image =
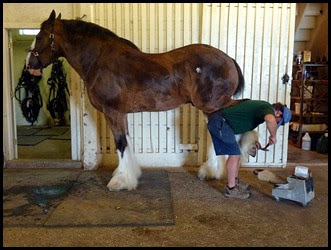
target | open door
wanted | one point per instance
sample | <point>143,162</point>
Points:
<point>47,138</point>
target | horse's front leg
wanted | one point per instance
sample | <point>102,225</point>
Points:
<point>127,173</point>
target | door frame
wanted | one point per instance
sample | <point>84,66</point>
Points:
<point>9,119</point>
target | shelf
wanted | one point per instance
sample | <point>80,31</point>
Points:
<point>310,115</point>
<point>311,65</point>
<point>310,82</point>
<point>310,99</point>
<point>308,131</point>
<point>319,81</point>
<point>314,94</point>
<point>315,64</point>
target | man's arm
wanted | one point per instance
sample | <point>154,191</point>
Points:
<point>272,128</point>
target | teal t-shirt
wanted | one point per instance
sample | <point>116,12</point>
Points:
<point>246,115</point>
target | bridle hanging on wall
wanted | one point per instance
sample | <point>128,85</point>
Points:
<point>32,101</point>
<point>57,102</point>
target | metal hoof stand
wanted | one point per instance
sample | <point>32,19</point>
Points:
<point>298,188</point>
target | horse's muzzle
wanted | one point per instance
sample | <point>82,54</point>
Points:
<point>35,72</point>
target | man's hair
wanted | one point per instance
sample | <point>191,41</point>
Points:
<point>279,106</point>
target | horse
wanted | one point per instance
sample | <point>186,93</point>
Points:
<point>121,79</point>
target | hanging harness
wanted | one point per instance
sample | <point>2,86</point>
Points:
<point>32,101</point>
<point>57,102</point>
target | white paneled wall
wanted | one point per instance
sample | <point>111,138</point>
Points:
<point>258,36</point>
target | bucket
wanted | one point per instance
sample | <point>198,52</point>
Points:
<point>306,142</point>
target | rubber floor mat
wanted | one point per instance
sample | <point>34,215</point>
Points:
<point>71,201</point>
<point>65,136</point>
<point>27,130</point>
<point>30,196</point>
<point>52,131</point>
<point>30,140</point>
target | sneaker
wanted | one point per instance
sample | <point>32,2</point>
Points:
<point>242,184</point>
<point>236,192</point>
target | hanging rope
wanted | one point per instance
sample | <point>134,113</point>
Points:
<point>57,101</point>
<point>32,102</point>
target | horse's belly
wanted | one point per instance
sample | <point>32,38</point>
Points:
<point>149,104</point>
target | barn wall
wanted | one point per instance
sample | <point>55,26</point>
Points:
<point>258,36</point>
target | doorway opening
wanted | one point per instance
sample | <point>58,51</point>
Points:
<point>46,137</point>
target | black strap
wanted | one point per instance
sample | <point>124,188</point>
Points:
<point>32,101</point>
<point>57,101</point>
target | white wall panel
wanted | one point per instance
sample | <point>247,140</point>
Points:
<point>256,35</point>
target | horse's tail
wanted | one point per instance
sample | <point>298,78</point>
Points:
<point>241,83</point>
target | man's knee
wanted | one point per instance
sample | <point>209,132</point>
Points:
<point>234,158</point>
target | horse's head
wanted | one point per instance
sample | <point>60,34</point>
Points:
<point>44,49</point>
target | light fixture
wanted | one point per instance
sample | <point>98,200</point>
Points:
<point>29,32</point>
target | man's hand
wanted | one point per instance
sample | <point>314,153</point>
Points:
<point>272,140</point>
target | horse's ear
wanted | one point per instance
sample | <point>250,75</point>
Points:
<point>52,16</point>
<point>58,17</point>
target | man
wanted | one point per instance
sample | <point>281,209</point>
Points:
<point>243,116</point>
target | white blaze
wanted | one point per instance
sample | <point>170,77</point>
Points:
<point>29,53</point>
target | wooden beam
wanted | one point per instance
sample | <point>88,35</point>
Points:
<point>302,9</point>
<point>314,33</point>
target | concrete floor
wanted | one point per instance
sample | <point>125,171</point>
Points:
<point>171,207</point>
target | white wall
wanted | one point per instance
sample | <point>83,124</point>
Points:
<point>258,36</point>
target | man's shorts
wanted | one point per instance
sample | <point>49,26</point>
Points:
<point>222,135</point>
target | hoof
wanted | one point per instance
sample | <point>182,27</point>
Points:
<point>202,176</point>
<point>207,173</point>
<point>120,182</point>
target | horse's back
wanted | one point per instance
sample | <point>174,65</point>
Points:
<point>207,75</point>
<point>197,73</point>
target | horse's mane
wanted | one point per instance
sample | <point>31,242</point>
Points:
<point>88,29</point>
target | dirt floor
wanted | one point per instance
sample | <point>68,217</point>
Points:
<point>171,207</point>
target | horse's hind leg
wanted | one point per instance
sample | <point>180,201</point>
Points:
<point>214,166</point>
<point>127,173</point>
